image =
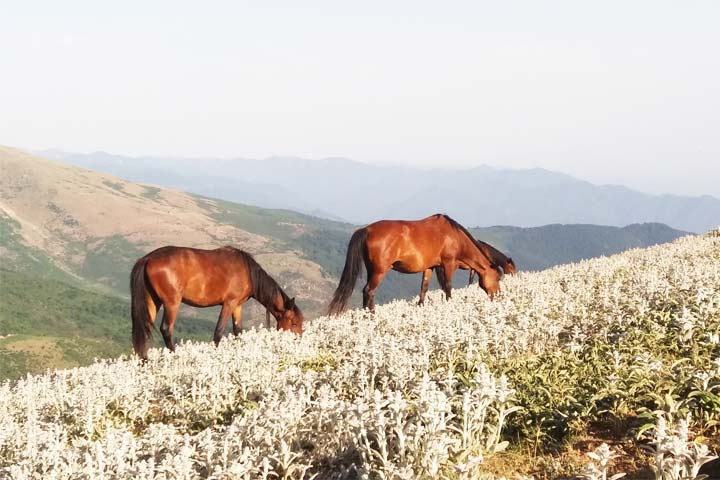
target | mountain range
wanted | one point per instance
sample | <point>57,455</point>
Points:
<point>342,189</point>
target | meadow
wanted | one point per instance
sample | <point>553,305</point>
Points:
<point>590,370</point>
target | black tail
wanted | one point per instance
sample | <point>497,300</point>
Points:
<point>353,261</point>
<point>139,309</point>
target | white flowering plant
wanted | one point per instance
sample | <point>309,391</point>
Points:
<point>611,344</point>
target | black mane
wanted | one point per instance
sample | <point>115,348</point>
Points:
<point>265,288</point>
<point>476,242</point>
<point>499,257</point>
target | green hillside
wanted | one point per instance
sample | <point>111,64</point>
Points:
<point>46,323</point>
<point>19,257</point>
<point>53,324</point>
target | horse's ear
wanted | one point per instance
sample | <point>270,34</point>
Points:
<point>290,304</point>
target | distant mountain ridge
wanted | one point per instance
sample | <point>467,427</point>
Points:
<point>339,188</point>
<point>571,243</point>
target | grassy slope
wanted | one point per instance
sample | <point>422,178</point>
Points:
<point>590,350</point>
<point>20,257</point>
<point>53,324</point>
<point>322,241</point>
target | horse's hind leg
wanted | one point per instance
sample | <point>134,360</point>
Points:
<point>374,280</point>
<point>168,323</point>
<point>472,277</point>
<point>222,322</point>
<point>152,305</point>
<point>424,285</point>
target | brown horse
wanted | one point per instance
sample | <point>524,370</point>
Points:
<point>202,278</point>
<point>411,247</point>
<point>499,258</point>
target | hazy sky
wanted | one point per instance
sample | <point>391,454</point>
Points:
<point>610,91</point>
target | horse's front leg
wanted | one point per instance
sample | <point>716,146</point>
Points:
<point>449,269</point>
<point>237,320</point>
<point>222,322</point>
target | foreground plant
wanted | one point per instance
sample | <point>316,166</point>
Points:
<point>676,456</point>
<point>597,469</point>
<point>431,392</point>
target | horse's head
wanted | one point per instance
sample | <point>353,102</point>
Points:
<point>490,281</point>
<point>509,267</point>
<point>291,318</point>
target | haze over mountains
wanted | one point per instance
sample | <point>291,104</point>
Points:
<point>360,193</point>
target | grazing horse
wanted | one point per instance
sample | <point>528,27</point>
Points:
<point>411,247</point>
<point>202,278</point>
<point>499,258</point>
<point>496,256</point>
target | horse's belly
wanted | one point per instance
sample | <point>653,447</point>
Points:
<point>200,294</point>
<point>408,267</point>
<point>201,301</point>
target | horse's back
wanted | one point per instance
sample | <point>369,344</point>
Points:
<point>410,245</point>
<point>183,262</point>
<point>203,277</point>
<point>412,228</point>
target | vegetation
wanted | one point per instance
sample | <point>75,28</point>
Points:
<point>282,225</point>
<point>150,192</point>
<point>54,324</point>
<point>22,258</point>
<point>588,370</point>
<point>109,262</point>
<point>50,324</point>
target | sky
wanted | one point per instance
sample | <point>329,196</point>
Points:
<point>622,92</point>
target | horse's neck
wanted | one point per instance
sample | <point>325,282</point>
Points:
<point>495,255</point>
<point>475,254</point>
<point>274,304</point>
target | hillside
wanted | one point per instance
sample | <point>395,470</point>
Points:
<point>71,230</point>
<point>66,229</point>
<point>361,193</point>
<point>92,226</point>
<point>49,324</point>
<point>571,360</point>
